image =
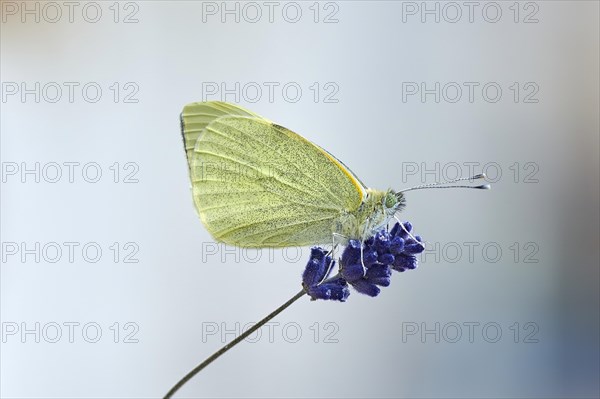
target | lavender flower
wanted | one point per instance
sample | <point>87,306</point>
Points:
<point>365,267</point>
<point>314,278</point>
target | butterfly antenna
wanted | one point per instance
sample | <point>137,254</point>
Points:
<point>450,184</point>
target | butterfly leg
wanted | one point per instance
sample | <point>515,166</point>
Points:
<point>341,239</point>
<point>408,232</point>
<point>367,231</point>
<point>331,253</point>
<point>362,261</point>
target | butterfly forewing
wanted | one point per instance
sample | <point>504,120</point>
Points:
<point>257,184</point>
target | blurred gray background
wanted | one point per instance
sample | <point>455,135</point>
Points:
<point>505,302</point>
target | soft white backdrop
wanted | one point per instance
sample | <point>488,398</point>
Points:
<point>183,284</point>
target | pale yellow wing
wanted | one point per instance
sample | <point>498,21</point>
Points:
<point>257,184</point>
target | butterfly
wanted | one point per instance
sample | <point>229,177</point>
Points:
<point>258,184</point>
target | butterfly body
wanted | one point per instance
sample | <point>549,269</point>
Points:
<point>377,208</point>
<point>258,184</point>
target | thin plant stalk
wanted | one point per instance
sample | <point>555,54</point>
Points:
<point>231,344</point>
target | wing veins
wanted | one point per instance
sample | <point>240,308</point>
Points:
<point>309,194</point>
<point>333,197</point>
<point>212,130</point>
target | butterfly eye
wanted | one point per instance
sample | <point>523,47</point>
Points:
<point>390,200</point>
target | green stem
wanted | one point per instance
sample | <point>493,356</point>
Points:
<point>231,344</point>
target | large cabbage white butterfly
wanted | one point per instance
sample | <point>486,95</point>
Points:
<point>258,184</point>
